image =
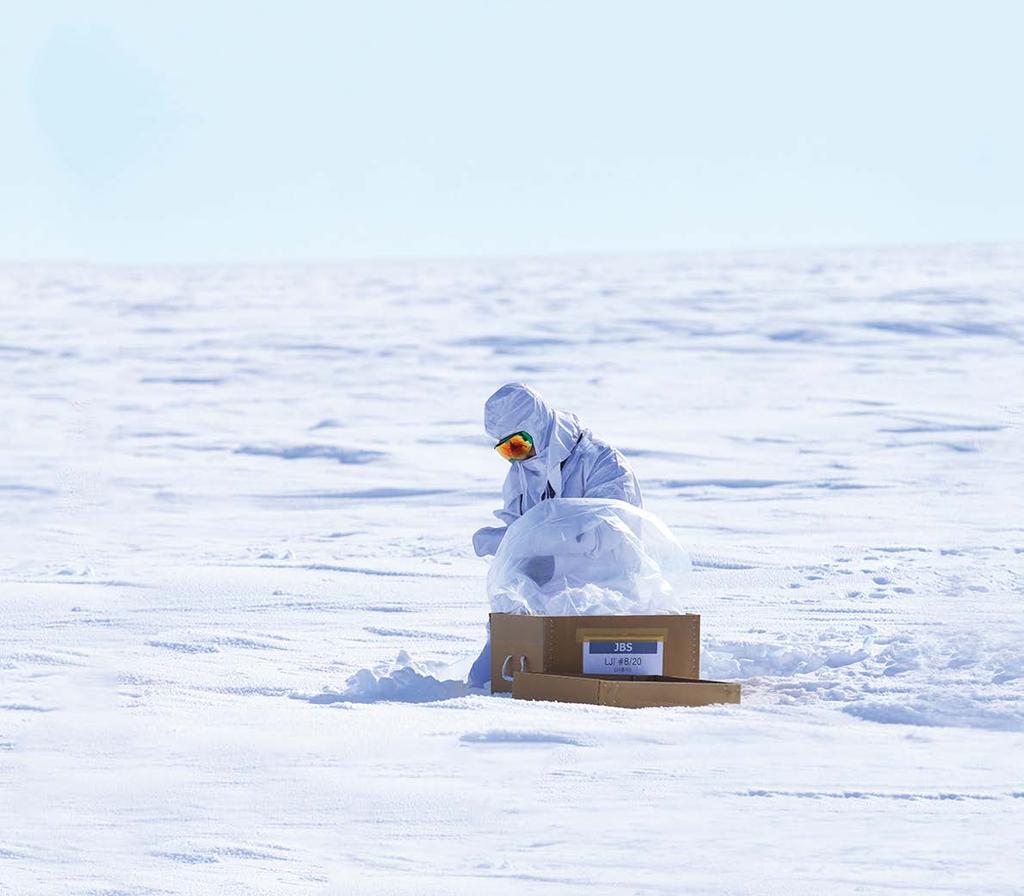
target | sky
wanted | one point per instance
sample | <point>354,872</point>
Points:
<point>189,132</point>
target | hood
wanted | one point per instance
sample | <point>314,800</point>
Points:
<point>517,408</point>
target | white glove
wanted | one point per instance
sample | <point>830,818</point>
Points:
<point>487,539</point>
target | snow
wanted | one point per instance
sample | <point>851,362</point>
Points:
<point>239,592</point>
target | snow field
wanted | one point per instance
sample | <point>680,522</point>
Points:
<point>236,573</point>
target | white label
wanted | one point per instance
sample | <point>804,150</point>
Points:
<point>621,657</point>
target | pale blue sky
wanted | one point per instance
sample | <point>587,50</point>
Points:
<point>192,131</point>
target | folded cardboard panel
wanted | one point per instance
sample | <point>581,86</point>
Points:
<point>664,645</point>
<point>628,692</point>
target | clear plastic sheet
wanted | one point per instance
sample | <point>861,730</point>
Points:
<point>588,556</point>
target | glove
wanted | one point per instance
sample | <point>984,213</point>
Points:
<point>487,539</point>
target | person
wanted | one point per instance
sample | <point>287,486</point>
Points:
<point>552,456</point>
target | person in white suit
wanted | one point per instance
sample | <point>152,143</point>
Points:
<point>551,455</point>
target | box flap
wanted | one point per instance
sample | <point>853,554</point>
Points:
<point>626,692</point>
<point>522,639</point>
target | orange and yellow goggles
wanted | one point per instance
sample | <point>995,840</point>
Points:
<point>518,446</point>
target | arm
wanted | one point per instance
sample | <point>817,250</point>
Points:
<point>487,539</point>
<point>612,478</point>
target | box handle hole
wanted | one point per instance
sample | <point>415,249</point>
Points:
<point>505,667</point>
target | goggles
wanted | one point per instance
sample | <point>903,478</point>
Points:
<point>518,446</point>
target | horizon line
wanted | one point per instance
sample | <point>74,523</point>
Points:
<point>469,257</point>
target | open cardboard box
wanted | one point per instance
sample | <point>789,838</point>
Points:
<point>594,645</point>
<point>628,661</point>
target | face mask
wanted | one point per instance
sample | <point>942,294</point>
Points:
<point>534,465</point>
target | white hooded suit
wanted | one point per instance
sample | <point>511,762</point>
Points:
<point>570,462</point>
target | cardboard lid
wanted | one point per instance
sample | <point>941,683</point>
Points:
<point>624,691</point>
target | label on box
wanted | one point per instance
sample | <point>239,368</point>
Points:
<point>623,657</point>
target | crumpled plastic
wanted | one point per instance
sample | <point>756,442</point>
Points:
<point>586,557</point>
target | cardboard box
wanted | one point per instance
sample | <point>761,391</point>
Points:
<point>630,692</point>
<point>609,646</point>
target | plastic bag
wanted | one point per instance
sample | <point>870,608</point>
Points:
<point>585,557</point>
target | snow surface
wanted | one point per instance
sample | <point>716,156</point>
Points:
<point>237,577</point>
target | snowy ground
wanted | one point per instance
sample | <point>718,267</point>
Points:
<point>226,491</point>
